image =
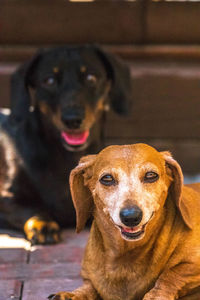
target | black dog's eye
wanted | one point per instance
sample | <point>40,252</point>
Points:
<point>107,180</point>
<point>91,79</point>
<point>49,81</point>
<point>151,177</point>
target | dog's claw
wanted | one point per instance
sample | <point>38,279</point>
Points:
<point>61,296</point>
<point>57,297</point>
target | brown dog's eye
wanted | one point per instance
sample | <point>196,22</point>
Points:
<point>151,177</point>
<point>91,79</point>
<point>108,180</point>
<point>49,81</point>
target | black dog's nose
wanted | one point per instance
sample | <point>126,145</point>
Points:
<point>72,122</point>
<point>131,216</point>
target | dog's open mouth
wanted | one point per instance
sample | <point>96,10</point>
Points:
<point>132,233</point>
<point>75,140</point>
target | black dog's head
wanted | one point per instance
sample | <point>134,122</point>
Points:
<point>72,86</point>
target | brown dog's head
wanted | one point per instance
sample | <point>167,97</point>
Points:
<point>72,86</point>
<point>128,184</point>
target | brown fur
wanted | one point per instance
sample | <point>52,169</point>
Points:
<point>164,264</point>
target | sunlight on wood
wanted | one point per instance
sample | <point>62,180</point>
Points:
<point>7,241</point>
<point>5,111</point>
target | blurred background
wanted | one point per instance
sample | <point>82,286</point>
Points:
<point>160,40</point>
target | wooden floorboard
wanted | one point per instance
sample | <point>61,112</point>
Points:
<point>29,273</point>
<point>40,289</point>
<point>10,289</point>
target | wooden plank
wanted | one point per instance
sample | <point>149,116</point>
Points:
<point>30,22</point>
<point>23,271</point>
<point>74,239</point>
<point>58,253</point>
<point>13,255</point>
<point>41,289</point>
<point>16,53</point>
<point>5,72</point>
<point>165,103</point>
<point>20,53</point>
<point>10,289</point>
<point>172,22</point>
<point>13,247</point>
<point>70,250</point>
<point>152,128</point>
<point>153,51</point>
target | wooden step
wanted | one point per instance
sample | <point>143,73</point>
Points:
<point>60,22</point>
<point>139,21</point>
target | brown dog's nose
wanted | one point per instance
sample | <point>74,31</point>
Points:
<point>131,216</point>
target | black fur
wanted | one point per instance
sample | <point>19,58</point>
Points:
<point>35,161</point>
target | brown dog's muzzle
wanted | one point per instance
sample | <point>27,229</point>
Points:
<point>131,217</point>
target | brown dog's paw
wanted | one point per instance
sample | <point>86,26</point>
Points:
<point>40,231</point>
<point>61,296</point>
<point>157,295</point>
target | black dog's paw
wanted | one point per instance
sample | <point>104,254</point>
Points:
<point>40,231</point>
<point>61,296</point>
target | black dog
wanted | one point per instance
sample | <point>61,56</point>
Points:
<point>46,134</point>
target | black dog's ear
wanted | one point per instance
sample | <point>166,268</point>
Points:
<point>20,82</point>
<point>119,73</point>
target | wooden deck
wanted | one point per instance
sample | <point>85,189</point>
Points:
<point>30,273</point>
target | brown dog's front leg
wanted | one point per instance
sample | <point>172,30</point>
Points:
<point>158,295</point>
<point>85,292</point>
<point>171,282</point>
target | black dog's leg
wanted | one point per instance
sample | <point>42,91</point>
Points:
<point>38,227</point>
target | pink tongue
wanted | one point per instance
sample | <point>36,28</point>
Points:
<point>75,138</point>
<point>131,230</point>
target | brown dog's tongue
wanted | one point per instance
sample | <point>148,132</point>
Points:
<point>132,229</point>
<point>75,139</point>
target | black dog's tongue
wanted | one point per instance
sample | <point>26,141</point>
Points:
<point>75,139</point>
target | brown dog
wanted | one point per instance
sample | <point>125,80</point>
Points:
<point>145,238</point>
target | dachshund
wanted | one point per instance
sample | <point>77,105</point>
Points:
<point>144,241</point>
<point>58,103</point>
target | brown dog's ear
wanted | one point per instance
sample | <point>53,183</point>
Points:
<point>81,195</point>
<point>175,171</point>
